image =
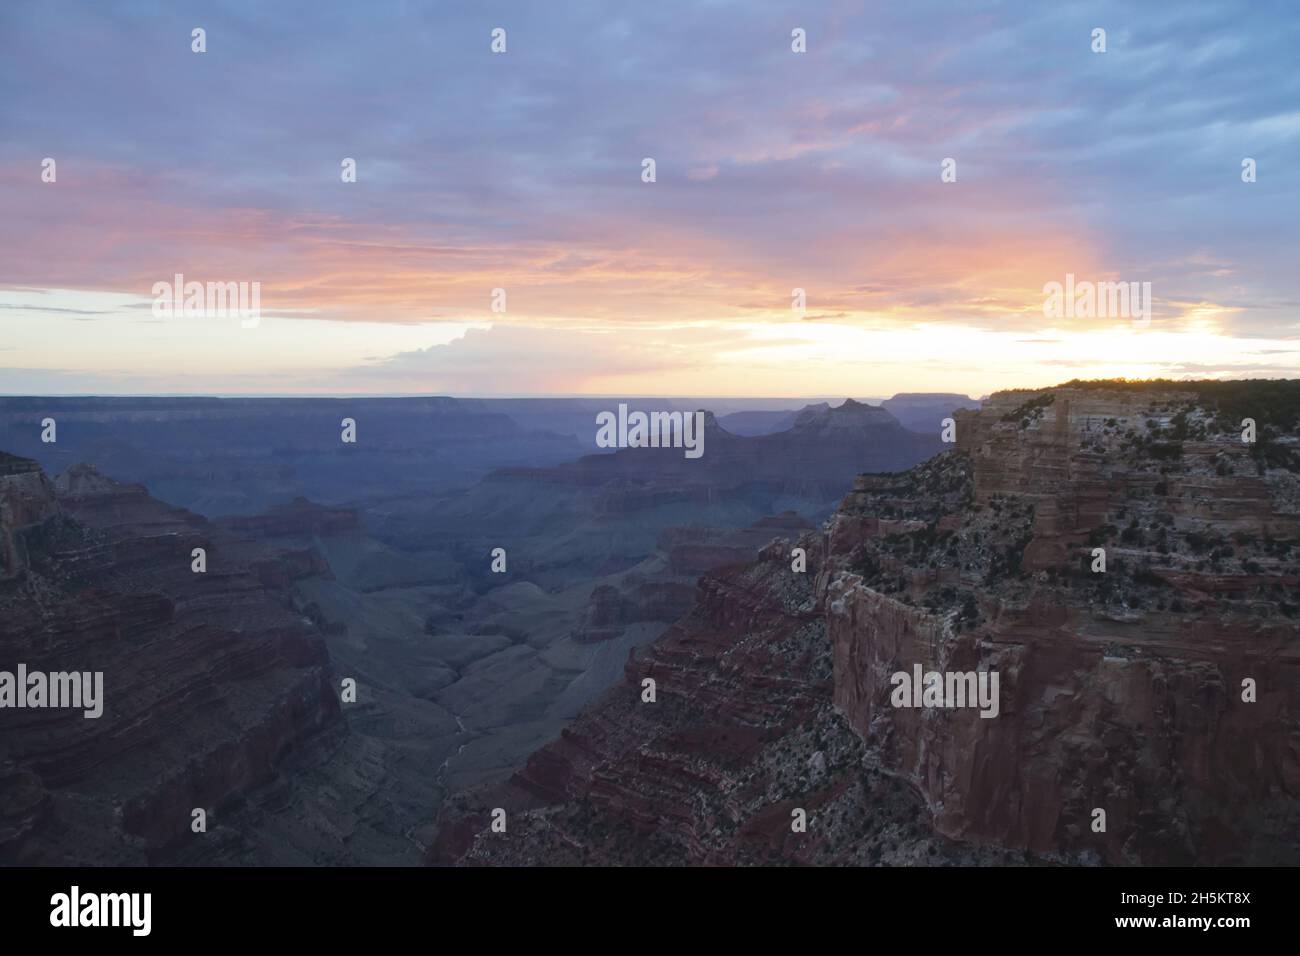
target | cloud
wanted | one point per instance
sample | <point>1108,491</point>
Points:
<point>519,360</point>
<point>55,309</point>
<point>775,170</point>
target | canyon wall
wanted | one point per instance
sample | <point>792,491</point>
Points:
<point>1160,686</point>
<point>1120,689</point>
<point>209,679</point>
<point>738,738</point>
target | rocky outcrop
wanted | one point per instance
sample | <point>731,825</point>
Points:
<point>692,551</point>
<point>26,500</point>
<point>1162,691</point>
<point>1159,693</point>
<point>739,740</point>
<point>209,679</point>
<point>661,592</point>
<point>610,609</point>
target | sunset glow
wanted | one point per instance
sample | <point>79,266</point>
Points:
<point>774,173</point>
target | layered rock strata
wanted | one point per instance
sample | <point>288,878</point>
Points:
<point>209,679</point>
<point>1157,691</point>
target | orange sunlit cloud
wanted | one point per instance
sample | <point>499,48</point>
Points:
<point>774,173</point>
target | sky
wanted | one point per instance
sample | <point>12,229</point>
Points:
<point>522,171</point>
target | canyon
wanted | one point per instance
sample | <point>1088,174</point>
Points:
<point>1113,555</point>
<point>208,679</point>
<point>372,571</point>
<point>1162,691</point>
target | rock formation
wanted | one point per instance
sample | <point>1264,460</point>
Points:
<point>1122,689</point>
<point>1163,690</point>
<point>741,735</point>
<point>925,411</point>
<point>210,679</point>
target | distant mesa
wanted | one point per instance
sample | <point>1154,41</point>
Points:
<point>925,411</point>
<point>916,411</point>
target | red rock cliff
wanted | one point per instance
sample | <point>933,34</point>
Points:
<point>1120,690</point>
<point>209,679</point>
